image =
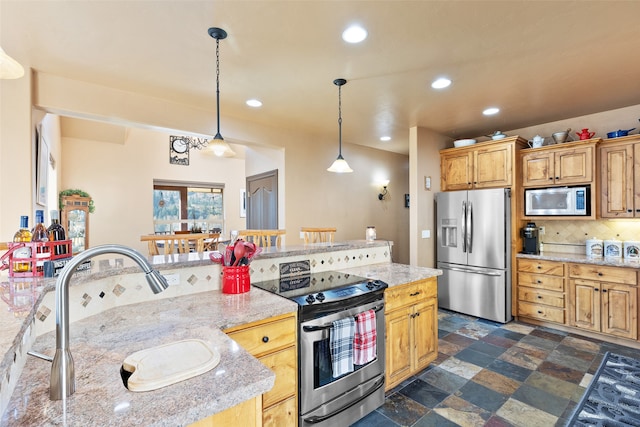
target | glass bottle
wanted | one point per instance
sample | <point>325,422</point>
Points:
<point>57,233</point>
<point>22,235</point>
<point>39,234</point>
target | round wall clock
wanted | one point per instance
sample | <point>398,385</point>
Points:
<point>179,145</point>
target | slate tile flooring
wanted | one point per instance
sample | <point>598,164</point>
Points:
<point>492,374</point>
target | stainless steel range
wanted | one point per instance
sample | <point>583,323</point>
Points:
<point>323,298</point>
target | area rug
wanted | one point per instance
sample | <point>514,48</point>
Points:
<point>613,397</point>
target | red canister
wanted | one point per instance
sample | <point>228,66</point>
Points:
<point>235,280</point>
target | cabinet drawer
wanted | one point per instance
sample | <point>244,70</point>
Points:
<point>266,337</point>
<point>553,283</point>
<point>553,268</point>
<point>600,273</point>
<point>538,296</point>
<point>284,364</point>
<point>541,312</point>
<point>410,293</point>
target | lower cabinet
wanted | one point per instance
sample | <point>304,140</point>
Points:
<point>247,414</point>
<point>541,290</point>
<point>274,342</point>
<point>411,314</point>
<point>603,299</point>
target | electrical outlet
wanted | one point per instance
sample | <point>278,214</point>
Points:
<point>541,230</point>
<point>426,234</point>
<point>172,279</point>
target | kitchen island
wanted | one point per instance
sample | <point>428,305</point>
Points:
<point>114,315</point>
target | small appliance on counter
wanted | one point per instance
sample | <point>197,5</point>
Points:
<point>530,235</point>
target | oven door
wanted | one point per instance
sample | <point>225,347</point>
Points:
<point>319,389</point>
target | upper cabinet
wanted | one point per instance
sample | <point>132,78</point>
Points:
<point>570,163</point>
<point>483,165</point>
<point>620,177</point>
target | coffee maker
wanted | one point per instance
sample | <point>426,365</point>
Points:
<point>529,235</point>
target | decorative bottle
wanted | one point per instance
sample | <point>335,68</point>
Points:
<point>56,233</point>
<point>39,234</point>
<point>22,235</point>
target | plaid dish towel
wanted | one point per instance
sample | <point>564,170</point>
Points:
<point>364,342</point>
<point>341,342</point>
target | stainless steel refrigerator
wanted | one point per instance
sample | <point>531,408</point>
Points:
<point>474,252</point>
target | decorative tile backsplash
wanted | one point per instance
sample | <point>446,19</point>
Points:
<point>570,236</point>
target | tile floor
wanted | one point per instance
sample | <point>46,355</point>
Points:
<point>490,374</point>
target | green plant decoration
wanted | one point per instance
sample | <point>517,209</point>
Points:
<point>74,192</point>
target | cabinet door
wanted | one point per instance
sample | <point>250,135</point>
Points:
<point>619,313</point>
<point>425,334</point>
<point>456,171</point>
<point>284,364</point>
<point>617,197</point>
<point>398,356</point>
<point>492,167</point>
<point>537,169</point>
<point>574,166</point>
<point>584,304</point>
<point>284,414</point>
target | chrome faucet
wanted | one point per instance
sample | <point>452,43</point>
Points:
<point>62,371</point>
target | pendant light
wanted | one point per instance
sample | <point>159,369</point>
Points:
<point>340,165</point>
<point>218,145</point>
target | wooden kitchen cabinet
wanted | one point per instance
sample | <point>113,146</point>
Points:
<point>411,321</point>
<point>603,299</point>
<point>541,290</point>
<point>246,414</point>
<point>274,342</point>
<point>483,165</point>
<point>570,163</point>
<point>620,178</point>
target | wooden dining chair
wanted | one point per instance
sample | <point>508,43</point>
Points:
<point>262,238</point>
<point>318,235</point>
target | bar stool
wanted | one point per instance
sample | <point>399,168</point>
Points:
<point>262,238</point>
<point>318,235</point>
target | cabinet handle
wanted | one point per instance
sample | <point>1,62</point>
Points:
<point>599,273</point>
<point>557,178</point>
<point>604,290</point>
<point>629,210</point>
<point>551,178</point>
<point>265,339</point>
<point>538,281</point>
<point>414,294</point>
<point>539,311</point>
<point>637,210</point>
<point>417,314</point>
<point>596,289</point>
<point>539,296</point>
<point>539,267</point>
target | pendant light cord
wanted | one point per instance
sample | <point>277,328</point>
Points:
<point>340,120</point>
<point>218,84</point>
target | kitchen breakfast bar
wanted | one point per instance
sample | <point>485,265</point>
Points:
<point>113,314</point>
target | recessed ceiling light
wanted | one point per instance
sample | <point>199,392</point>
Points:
<point>254,103</point>
<point>491,111</point>
<point>441,83</point>
<point>385,138</point>
<point>354,34</point>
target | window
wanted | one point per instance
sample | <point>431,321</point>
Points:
<point>187,207</point>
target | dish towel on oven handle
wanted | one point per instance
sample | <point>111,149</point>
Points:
<point>341,343</point>
<point>364,342</point>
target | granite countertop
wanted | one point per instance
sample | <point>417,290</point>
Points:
<point>394,274</point>
<point>100,343</point>
<point>583,259</point>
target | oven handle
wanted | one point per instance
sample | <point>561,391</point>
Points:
<point>325,327</point>
<point>321,418</point>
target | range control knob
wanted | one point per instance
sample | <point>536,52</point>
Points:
<point>310,299</point>
<point>372,284</point>
<point>320,297</point>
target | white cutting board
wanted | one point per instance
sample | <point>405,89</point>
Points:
<point>168,364</point>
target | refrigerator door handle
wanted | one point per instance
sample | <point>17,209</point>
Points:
<point>486,273</point>
<point>463,222</point>
<point>470,227</point>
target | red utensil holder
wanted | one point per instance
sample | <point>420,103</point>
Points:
<point>235,280</point>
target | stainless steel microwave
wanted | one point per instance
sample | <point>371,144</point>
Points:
<point>557,201</point>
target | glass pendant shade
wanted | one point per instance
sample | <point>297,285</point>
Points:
<point>340,165</point>
<point>9,67</point>
<point>220,147</point>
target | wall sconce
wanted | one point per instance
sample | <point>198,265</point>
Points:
<point>384,192</point>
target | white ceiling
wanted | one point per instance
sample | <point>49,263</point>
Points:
<point>538,61</point>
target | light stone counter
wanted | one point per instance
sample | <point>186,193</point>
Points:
<point>394,274</point>
<point>583,259</point>
<point>101,342</point>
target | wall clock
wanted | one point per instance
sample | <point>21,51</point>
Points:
<point>178,150</point>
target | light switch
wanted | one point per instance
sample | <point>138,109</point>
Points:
<point>427,183</point>
<point>426,234</point>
